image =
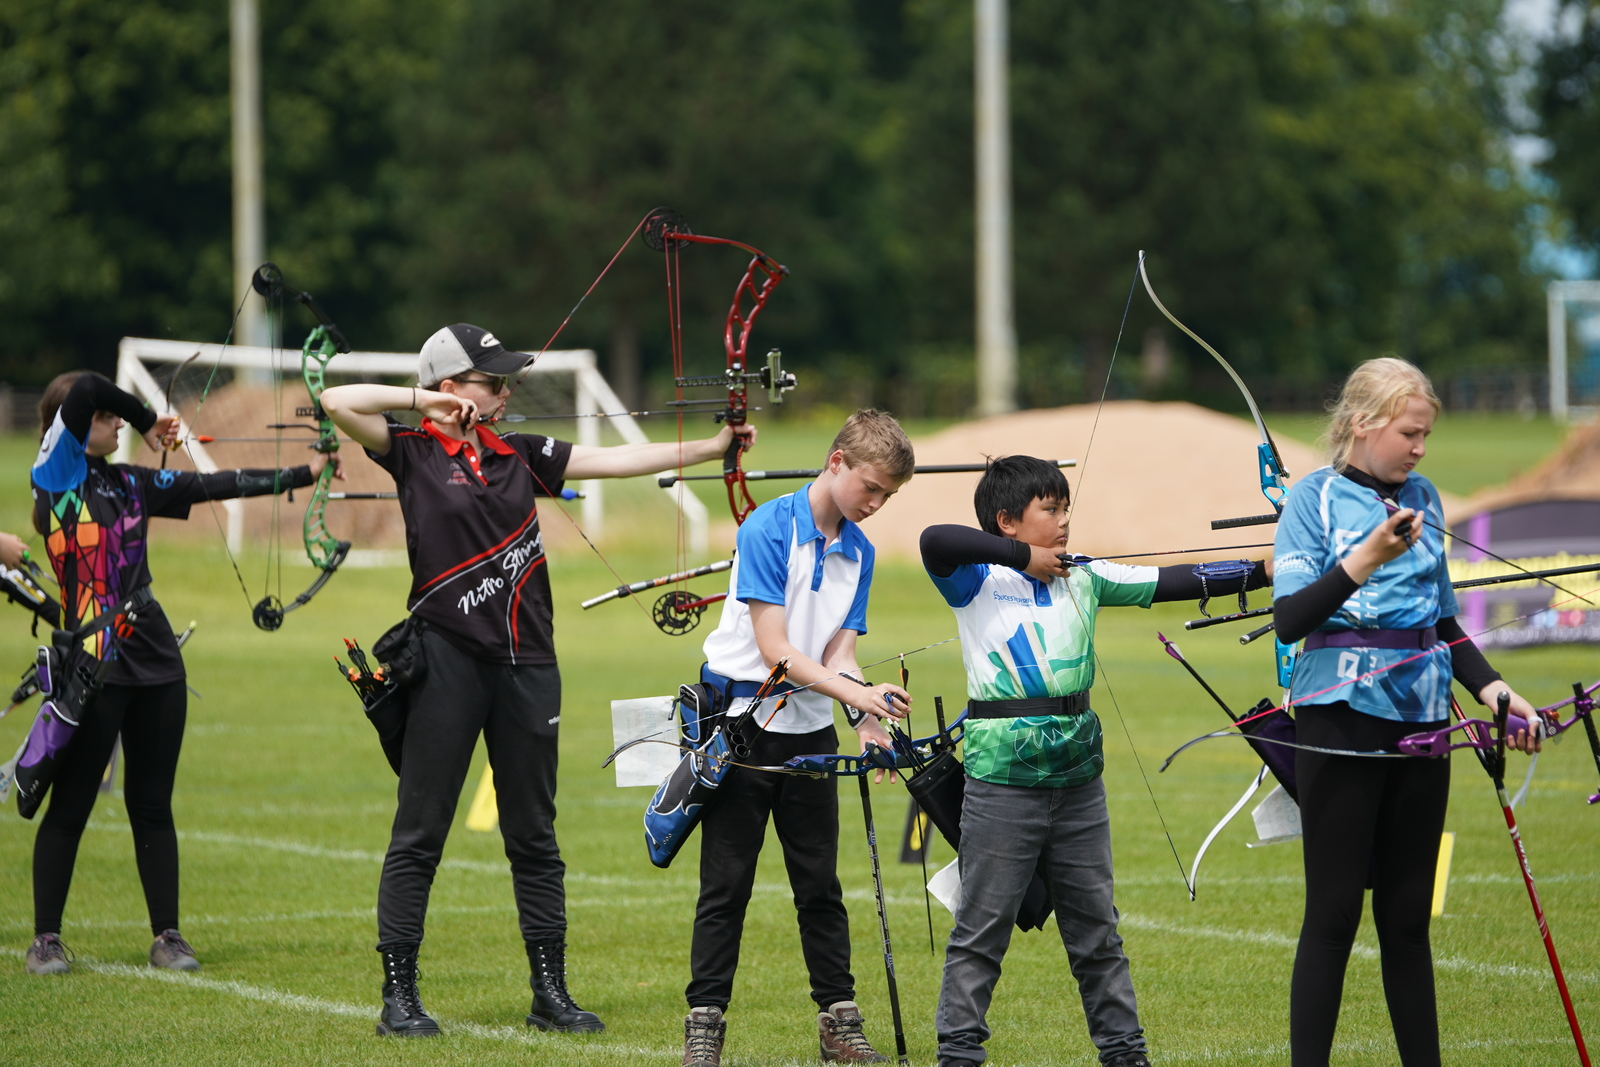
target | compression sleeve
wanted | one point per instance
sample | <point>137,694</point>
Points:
<point>946,547</point>
<point>1296,615</point>
<point>1467,661</point>
<point>92,393</point>
<point>1180,582</point>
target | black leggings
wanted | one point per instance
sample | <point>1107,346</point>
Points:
<point>1382,816</point>
<point>150,719</point>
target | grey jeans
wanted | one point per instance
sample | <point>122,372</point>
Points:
<point>1004,831</point>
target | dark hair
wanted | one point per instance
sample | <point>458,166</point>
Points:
<point>1012,483</point>
<point>55,394</point>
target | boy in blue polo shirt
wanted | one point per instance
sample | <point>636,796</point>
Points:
<point>798,590</point>
<point>1032,749</point>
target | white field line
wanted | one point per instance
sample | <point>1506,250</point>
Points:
<point>1280,1053</point>
<point>369,1013</point>
<point>1366,952</point>
<point>1449,963</point>
<point>655,885</point>
<point>592,1046</point>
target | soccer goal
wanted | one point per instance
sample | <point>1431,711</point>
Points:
<point>569,385</point>
<point>1574,390</point>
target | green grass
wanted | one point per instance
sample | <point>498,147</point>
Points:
<point>284,801</point>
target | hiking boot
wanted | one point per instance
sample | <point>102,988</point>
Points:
<point>1128,1059</point>
<point>553,1007</point>
<point>47,955</point>
<point>171,952</point>
<point>703,1031</point>
<point>842,1040</point>
<point>403,1014</point>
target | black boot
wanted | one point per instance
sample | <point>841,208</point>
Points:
<point>403,1014</point>
<point>553,1008</point>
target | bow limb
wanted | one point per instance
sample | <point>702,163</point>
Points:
<point>325,551</point>
<point>1274,477</point>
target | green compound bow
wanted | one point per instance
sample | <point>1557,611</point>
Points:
<point>324,550</point>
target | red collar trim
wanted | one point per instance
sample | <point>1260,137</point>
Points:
<point>452,445</point>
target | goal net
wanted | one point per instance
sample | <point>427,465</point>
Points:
<point>245,399</point>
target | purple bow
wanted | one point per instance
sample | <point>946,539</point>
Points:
<point>1480,732</point>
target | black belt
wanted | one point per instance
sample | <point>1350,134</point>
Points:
<point>1396,639</point>
<point>1071,704</point>
<point>139,598</point>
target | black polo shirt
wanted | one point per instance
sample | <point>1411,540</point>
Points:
<point>478,570</point>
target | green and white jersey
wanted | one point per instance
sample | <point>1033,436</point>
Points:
<point>1022,638</point>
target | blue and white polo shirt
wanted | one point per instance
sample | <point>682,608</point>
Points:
<point>784,559</point>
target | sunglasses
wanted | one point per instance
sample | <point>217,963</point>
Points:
<point>495,383</point>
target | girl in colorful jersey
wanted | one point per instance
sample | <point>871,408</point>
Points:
<point>1361,576</point>
<point>94,517</point>
<point>1034,797</point>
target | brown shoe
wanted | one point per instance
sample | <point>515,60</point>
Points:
<point>842,1040</point>
<point>703,1030</point>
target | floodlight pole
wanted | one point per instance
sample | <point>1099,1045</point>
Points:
<point>249,215</point>
<point>997,330</point>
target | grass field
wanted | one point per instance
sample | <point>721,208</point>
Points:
<point>284,800</point>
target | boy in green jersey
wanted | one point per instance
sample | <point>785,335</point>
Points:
<point>1034,797</point>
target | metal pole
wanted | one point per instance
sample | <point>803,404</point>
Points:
<point>997,330</point>
<point>249,216</point>
<point>1556,308</point>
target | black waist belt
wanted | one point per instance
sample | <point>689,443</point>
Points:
<point>1071,704</point>
<point>140,597</point>
<point>1398,639</point>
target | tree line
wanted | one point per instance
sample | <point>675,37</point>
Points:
<point>1314,182</point>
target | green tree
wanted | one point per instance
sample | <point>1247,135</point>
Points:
<point>559,127</point>
<point>1568,98</point>
<point>116,197</point>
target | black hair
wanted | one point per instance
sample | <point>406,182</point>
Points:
<point>1012,483</point>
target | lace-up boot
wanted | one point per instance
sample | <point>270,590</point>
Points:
<point>1129,1059</point>
<point>171,952</point>
<point>703,1031</point>
<point>403,1013</point>
<point>842,1038</point>
<point>47,955</point>
<point>553,1007</point>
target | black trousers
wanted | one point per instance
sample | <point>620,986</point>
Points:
<point>805,812</point>
<point>1359,815</point>
<point>518,710</point>
<point>150,719</point>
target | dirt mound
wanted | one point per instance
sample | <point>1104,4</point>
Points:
<point>243,412</point>
<point>1572,473</point>
<point>1153,479</point>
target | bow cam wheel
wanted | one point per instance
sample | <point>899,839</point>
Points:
<point>659,223</point>
<point>268,614</point>
<point>673,612</point>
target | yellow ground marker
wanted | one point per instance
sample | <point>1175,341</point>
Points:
<point>1441,874</point>
<point>484,815</point>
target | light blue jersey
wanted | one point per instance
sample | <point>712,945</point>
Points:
<point>1325,517</point>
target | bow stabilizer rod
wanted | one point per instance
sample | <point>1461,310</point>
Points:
<point>667,481</point>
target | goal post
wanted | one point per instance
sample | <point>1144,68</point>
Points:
<point>1559,296</point>
<point>591,394</point>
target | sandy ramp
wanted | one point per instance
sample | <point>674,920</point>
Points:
<point>1152,479</point>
